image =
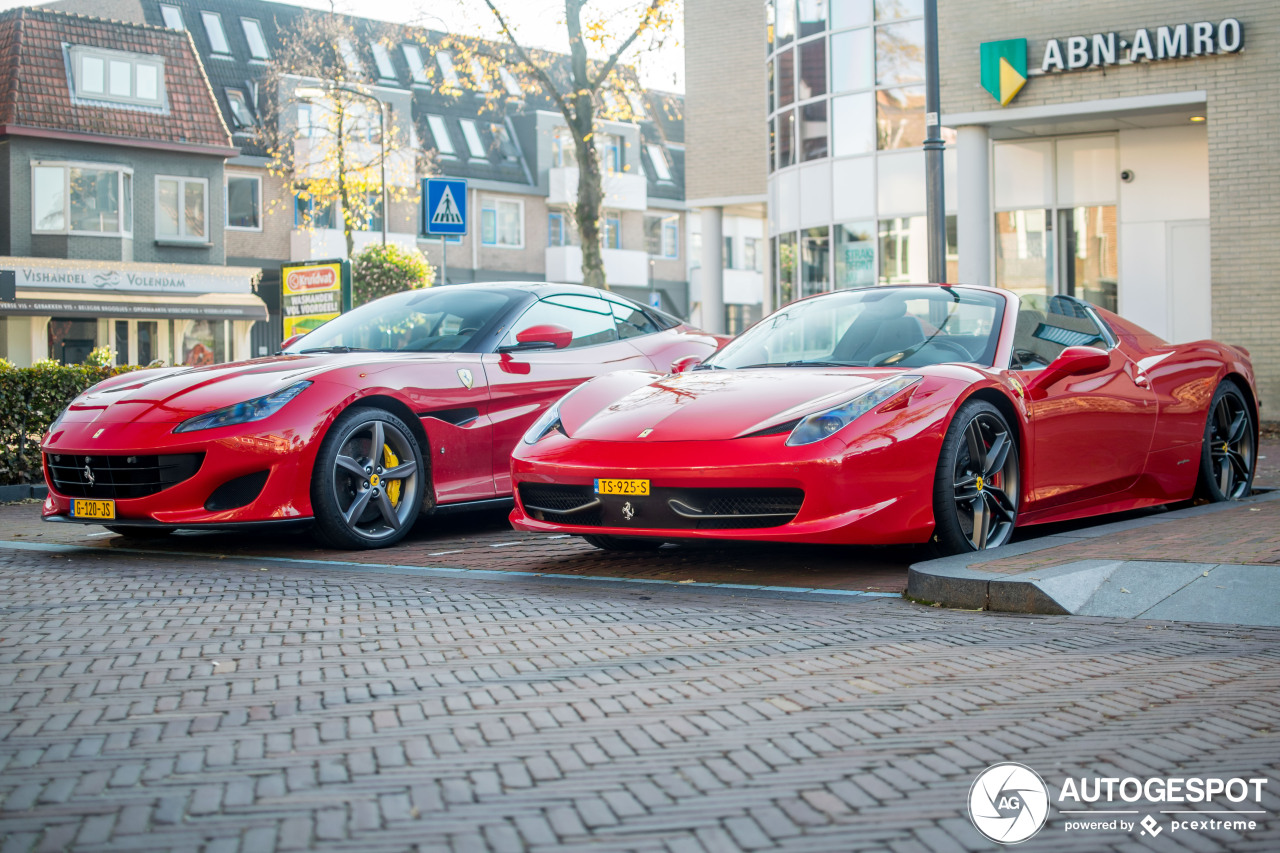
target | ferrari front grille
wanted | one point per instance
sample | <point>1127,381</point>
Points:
<point>119,477</point>
<point>663,508</point>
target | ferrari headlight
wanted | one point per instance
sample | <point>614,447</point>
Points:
<point>820,425</point>
<point>549,420</point>
<point>246,412</point>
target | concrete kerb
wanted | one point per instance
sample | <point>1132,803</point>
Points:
<point>951,582</point>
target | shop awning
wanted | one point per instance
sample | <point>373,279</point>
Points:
<point>205,306</point>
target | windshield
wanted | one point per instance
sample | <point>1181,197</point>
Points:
<point>438,319</point>
<point>873,327</point>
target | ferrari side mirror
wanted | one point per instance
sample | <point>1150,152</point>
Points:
<point>1072,361</point>
<point>545,336</point>
<point>291,341</point>
<point>689,362</point>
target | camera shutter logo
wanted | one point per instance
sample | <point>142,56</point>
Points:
<point>1008,803</point>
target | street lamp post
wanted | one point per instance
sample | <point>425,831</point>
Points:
<point>308,93</point>
<point>935,210</point>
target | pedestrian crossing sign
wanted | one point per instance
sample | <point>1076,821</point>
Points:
<point>444,207</point>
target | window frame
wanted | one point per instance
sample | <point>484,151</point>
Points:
<point>182,236</point>
<point>206,17</point>
<point>351,58</point>
<point>234,96</point>
<point>475,69</point>
<point>417,68</point>
<point>382,61</point>
<point>226,201</point>
<point>473,139</point>
<point>448,69</point>
<point>441,132</point>
<point>612,226</point>
<point>252,27</point>
<point>671,226</point>
<point>661,165</point>
<point>510,82</point>
<point>491,204</point>
<point>124,216</point>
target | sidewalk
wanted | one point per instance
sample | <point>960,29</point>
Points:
<point>1213,563</point>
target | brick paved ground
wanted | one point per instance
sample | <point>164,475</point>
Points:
<point>223,705</point>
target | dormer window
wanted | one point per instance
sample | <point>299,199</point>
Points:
<point>444,59</point>
<point>114,76</point>
<point>658,157</point>
<point>479,77</point>
<point>217,36</point>
<point>350,58</point>
<point>253,35</point>
<point>510,83</point>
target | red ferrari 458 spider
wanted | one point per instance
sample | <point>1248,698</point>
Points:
<point>895,415</point>
<point>410,403</point>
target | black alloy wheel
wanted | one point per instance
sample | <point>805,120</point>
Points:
<point>1229,453</point>
<point>368,483</point>
<point>976,489</point>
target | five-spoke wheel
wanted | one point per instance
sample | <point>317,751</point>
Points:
<point>975,496</point>
<point>1230,449</point>
<point>368,482</point>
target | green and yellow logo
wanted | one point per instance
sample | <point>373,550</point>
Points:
<point>1004,68</point>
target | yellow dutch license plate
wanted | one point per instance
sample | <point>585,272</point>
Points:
<point>105,510</point>
<point>622,487</point>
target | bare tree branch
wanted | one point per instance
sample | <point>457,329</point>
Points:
<point>607,68</point>
<point>538,70</point>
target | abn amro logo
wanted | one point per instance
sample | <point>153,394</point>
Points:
<point>1003,68</point>
<point>1008,802</point>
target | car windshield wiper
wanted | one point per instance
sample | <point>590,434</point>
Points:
<point>334,349</point>
<point>705,366</point>
<point>799,364</point>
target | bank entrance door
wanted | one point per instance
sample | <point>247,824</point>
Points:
<point>1055,221</point>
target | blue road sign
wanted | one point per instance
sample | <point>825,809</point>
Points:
<point>445,210</point>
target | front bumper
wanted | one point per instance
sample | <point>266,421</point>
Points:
<point>875,491</point>
<point>284,454</point>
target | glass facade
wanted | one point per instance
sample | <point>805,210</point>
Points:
<point>846,93</point>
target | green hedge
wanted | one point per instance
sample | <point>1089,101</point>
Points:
<point>30,398</point>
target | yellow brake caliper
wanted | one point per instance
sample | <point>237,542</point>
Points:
<point>390,460</point>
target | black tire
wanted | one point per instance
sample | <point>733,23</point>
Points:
<point>977,485</point>
<point>133,532</point>
<point>622,543</point>
<point>368,483</point>
<point>1229,449</point>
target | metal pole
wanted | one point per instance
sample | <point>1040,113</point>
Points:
<point>444,259</point>
<point>382,165</point>
<point>936,210</point>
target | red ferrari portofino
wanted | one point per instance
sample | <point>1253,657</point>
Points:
<point>407,404</point>
<point>895,415</point>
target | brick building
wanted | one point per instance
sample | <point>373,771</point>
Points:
<point>111,166</point>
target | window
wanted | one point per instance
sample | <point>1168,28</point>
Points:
<point>658,157</point>
<point>727,259</point>
<point>81,198</point>
<point>241,115</point>
<point>637,104</point>
<point>181,208</point>
<point>479,77</point>
<point>502,223</point>
<point>213,29</point>
<point>350,57</point>
<point>611,154</point>
<point>444,60</point>
<point>172,16</point>
<point>510,83</point>
<point>304,121</point>
<point>311,212</point>
<point>612,231</point>
<point>505,146</point>
<point>671,237</point>
<point>563,149</point>
<point>382,58</point>
<point>629,320</point>
<point>116,76</point>
<point>557,233</point>
<point>440,134</point>
<point>588,317</point>
<point>253,35</point>
<point>612,105</point>
<point>371,220</point>
<point>472,135</point>
<point>751,259</point>
<point>855,251</point>
<point>244,202</point>
<point>413,56</point>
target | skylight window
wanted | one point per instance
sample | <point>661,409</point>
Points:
<point>382,59</point>
<point>350,58</point>
<point>444,59</point>
<point>172,16</point>
<point>637,104</point>
<point>213,29</point>
<point>658,157</point>
<point>253,34</point>
<point>510,83</point>
<point>479,77</point>
<point>440,132</point>
<point>413,56</point>
<point>240,112</point>
<point>475,147</point>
